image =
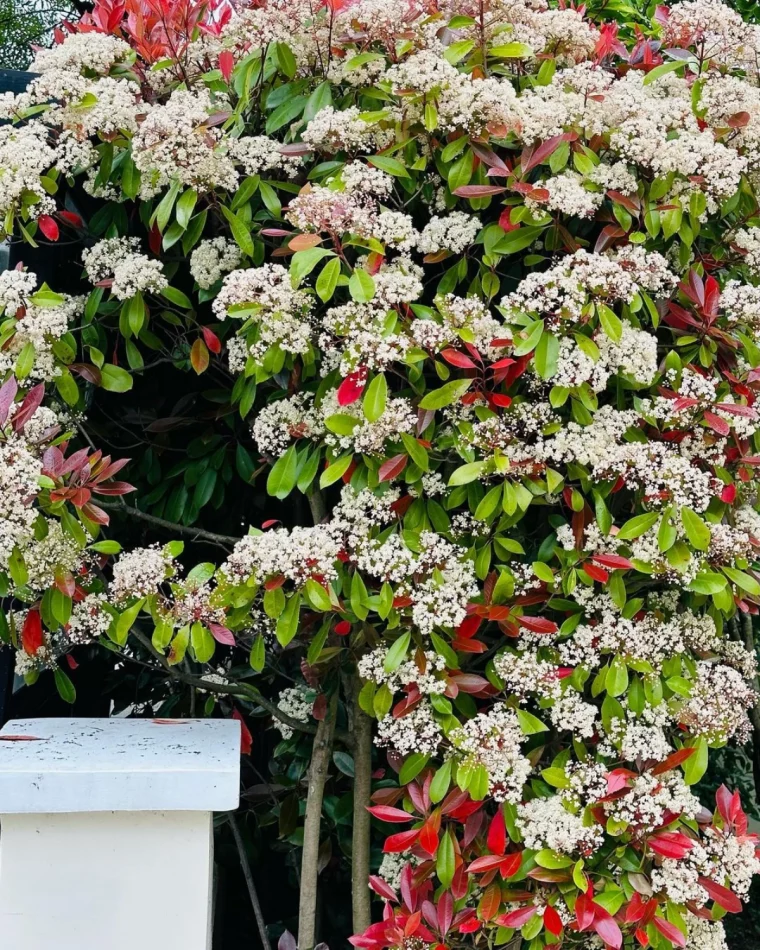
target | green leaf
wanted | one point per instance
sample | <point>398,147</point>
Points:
<point>610,321</point>
<point>616,682</point>
<point>304,262</point>
<point>335,471</point>
<point>695,766</point>
<point>202,642</point>
<point>654,74</point>
<point>546,355</point>
<point>466,473</point>
<point>446,395</point>
<point>638,525</point>
<point>239,230</point>
<point>445,860</point>
<point>258,654</point>
<point>287,622</point>
<point>317,596</point>
<point>415,451</point>
<point>555,777</point>
<point>397,653</point>
<point>441,782</point>
<point>361,286</point>
<point>64,686</point>
<point>177,298</point>
<point>115,379</point>
<point>696,530</point>
<point>528,338</point>
<point>185,207</point>
<point>743,580</point>
<point>375,398</point>
<point>707,583</point>
<point>390,165</point>
<point>412,767</point>
<point>284,474</point>
<point>321,97</point>
<point>529,723</point>
<point>328,280</point>
<point>513,51</point>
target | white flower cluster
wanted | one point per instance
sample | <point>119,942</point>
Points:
<point>176,143</point>
<point>213,258</point>
<point>439,578</point>
<point>566,288</point>
<point>419,671</point>
<point>548,823</point>
<point>492,740</point>
<point>296,703</point>
<point>140,573</point>
<point>282,315</point>
<point>298,554</point>
<point>89,619</point>
<point>130,273</point>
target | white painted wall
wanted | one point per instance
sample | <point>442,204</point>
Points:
<point>105,832</point>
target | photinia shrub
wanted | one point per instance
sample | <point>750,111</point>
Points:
<point>480,280</point>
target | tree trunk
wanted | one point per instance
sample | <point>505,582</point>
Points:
<point>318,773</point>
<point>361,729</point>
<point>754,713</point>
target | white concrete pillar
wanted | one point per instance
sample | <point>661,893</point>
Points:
<point>105,831</point>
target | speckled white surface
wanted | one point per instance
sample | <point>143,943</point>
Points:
<point>90,765</point>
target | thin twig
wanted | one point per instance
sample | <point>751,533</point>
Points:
<point>225,540</point>
<point>241,690</point>
<point>250,883</point>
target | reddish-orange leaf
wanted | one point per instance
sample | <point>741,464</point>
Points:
<point>199,357</point>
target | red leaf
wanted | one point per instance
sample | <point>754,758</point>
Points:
<point>717,424</point>
<point>673,760</point>
<point>7,396</point>
<point>455,358</point>
<point>381,887</point>
<point>429,836</point>
<point>552,921</point>
<point>670,931</point>
<point>402,841</point>
<point>32,637</point>
<point>722,896</point>
<point>392,468</point>
<point>728,494</point>
<point>612,561</point>
<point>538,624</point>
<point>497,834</point>
<point>29,406</point>
<point>73,219</point>
<point>386,813</point>
<point>608,930</point>
<point>343,628</point>
<point>226,63</point>
<point>222,634</point>
<point>488,862</point>
<point>352,387</point>
<point>505,221</point>
<point>212,340</point>
<point>532,157</point>
<point>246,739</point>
<point>49,227</point>
<point>671,844</point>
<point>511,864</point>
<point>517,918</point>
<point>478,191</point>
<point>154,240</point>
<point>596,573</point>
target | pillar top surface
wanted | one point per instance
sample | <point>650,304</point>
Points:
<point>87,765</point>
